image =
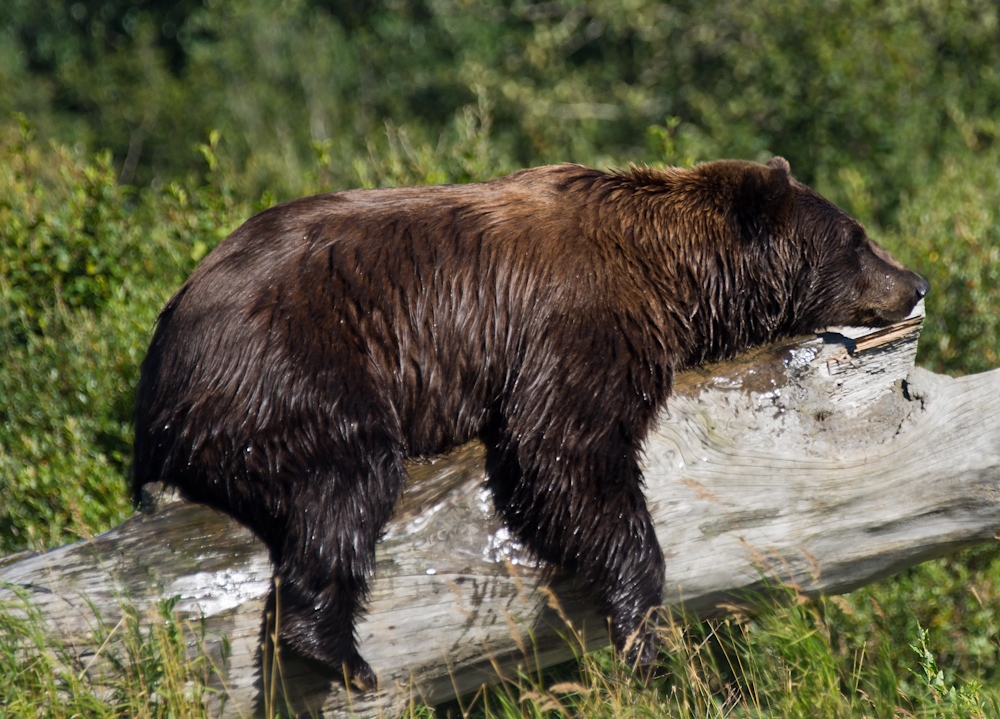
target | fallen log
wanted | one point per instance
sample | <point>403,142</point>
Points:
<point>827,462</point>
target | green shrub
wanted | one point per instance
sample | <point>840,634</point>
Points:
<point>63,223</point>
<point>949,230</point>
<point>85,266</point>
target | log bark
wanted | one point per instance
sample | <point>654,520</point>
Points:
<point>827,462</point>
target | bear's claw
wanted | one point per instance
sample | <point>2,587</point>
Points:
<point>360,675</point>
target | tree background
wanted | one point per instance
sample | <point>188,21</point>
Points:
<point>135,134</point>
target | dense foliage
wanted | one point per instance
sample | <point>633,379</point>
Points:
<point>135,134</point>
<point>855,93</point>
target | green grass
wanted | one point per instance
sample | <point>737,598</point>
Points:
<point>784,661</point>
<point>141,668</point>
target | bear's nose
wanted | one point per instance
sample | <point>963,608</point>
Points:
<point>923,287</point>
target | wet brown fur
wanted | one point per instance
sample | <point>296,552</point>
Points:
<point>330,338</point>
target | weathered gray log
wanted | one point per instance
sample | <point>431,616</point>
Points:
<point>828,462</point>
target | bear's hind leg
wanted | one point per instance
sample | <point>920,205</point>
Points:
<point>327,560</point>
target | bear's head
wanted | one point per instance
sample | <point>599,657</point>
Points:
<point>815,255</point>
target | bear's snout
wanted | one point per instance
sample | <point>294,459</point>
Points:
<point>889,289</point>
<point>896,298</point>
<point>918,287</point>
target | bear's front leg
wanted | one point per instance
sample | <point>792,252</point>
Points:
<point>579,504</point>
<point>319,627</point>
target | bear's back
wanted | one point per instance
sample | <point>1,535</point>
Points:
<point>428,297</point>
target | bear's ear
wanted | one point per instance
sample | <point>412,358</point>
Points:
<point>766,197</point>
<point>778,183</point>
<point>779,163</point>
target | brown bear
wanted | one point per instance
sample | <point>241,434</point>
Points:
<point>331,338</point>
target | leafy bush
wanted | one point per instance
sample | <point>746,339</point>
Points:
<point>85,266</point>
<point>950,230</point>
<point>887,90</point>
